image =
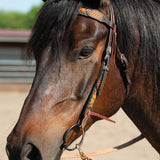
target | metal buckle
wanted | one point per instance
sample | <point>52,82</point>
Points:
<point>109,50</point>
<point>106,58</point>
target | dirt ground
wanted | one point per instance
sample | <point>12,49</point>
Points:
<point>102,134</point>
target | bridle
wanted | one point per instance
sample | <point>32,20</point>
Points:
<point>110,49</point>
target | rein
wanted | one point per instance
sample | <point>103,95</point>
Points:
<point>102,152</point>
<point>110,49</point>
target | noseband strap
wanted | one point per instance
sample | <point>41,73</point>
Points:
<point>110,49</point>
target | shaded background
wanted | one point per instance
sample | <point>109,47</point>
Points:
<point>16,20</point>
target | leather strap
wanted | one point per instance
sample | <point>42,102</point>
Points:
<point>96,15</point>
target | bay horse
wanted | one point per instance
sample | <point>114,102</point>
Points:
<point>74,45</point>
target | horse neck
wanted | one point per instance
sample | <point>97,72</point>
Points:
<point>143,110</point>
<point>142,104</point>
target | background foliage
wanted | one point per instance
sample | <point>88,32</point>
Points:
<point>18,20</point>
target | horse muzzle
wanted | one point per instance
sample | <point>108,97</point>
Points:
<point>30,151</point>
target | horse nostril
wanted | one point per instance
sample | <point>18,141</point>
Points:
<point>30,152</point>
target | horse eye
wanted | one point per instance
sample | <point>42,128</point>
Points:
<point>86,53</point>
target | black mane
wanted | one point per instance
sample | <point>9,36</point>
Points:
<point>54,19</point>
<point>140,18</point>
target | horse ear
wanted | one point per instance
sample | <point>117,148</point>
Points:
<point>105,5</point>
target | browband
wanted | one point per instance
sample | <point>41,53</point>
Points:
<point>96,15</point>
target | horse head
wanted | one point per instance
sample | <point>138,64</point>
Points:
<point>68,44</point>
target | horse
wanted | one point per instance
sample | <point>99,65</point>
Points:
<point>83,47</point>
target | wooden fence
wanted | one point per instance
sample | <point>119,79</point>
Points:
<point>17,71</point>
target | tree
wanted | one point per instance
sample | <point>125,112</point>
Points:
<point>18,20</point>
<point>11,20</point>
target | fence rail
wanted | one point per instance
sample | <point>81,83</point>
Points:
<point>18,71</point>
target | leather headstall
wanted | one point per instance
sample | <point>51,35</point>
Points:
<point>110,48</point>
